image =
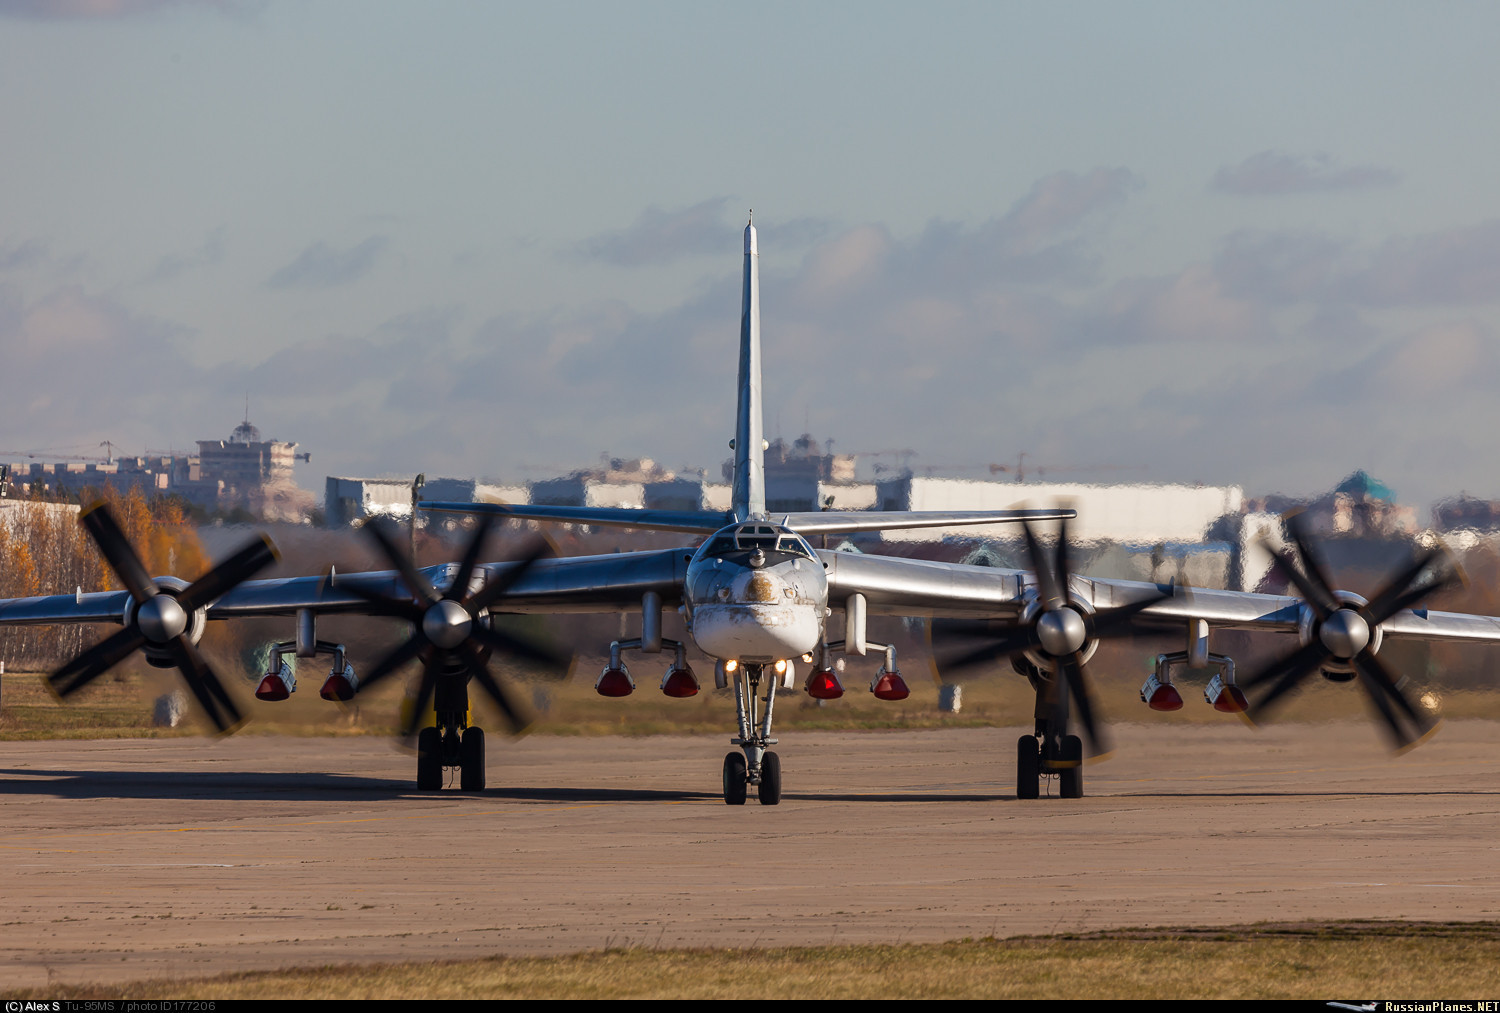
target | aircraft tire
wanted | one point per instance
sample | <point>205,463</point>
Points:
<point>471,756</point>
<point>735,787</point>
<point>429,760</point>
<point>769,789</point>
<point>1071,778</point>
<point>1028,767</point>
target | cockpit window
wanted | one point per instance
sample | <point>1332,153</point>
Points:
<point>767,537</point>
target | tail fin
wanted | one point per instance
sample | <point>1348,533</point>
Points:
<point>749,492</point>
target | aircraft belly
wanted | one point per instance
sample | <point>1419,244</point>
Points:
<point>755,632</point>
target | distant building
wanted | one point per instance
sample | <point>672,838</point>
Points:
<point>346,500</point>
<point>804,475</point>
<point>1128,514</point>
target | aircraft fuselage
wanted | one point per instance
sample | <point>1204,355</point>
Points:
<point>756,593</point>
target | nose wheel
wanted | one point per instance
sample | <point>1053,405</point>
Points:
<point>754,764</point>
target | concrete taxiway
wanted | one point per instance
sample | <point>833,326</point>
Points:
<point>131,859</point>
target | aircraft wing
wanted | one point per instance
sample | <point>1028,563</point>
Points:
<point>911,587</point>
<point>572,584</point>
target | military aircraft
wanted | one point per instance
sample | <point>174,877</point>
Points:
<point>755,596</point>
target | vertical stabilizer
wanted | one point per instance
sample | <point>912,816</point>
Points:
<point>749,430</point>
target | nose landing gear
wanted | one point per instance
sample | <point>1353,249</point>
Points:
<point>756,764</point>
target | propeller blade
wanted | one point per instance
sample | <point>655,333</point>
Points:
<point>514,715</point>
<point>205,685</point>
<point>394,660</point>
<point>1061,567</point>
<point>425,690</point>
<point>459,589</point>
<point>385,605</point>
<point>1050,595</point>
<point>1322,602</point>
<point>95,661</point>
<point>234,571</point>
<point>514,646</point>
<point>1290,670</point>
<point>1312,561</point>
<point>1110,621</point>
<point>500,586</point>
<point>415,582</point>
<point>1397,595</point>
<point>1012,643</point>
<point>101,525</point>
<point>1381,682</point>
<point>1073,669</point>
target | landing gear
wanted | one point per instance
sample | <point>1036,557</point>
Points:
<point>1070,776</point>
<point>757,766</point>
<point>429,760</point>
<point>1051,751</point>
<point>736,788</point>
<point>769,789</point>
<point>471,760</point>
<point>1028,767</point>
<point>452,741</point>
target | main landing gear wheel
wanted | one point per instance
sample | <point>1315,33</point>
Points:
<point>769,789</point>
<point>1028,767</point>
<point>429,760</point>
<point>471,760</point>
<point>1070,778</point>
<point>736,788</point>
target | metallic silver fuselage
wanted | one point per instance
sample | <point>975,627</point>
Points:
<point>739,611</point>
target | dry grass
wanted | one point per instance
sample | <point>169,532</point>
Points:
<point>1344,960</point>
<point>120,707</point>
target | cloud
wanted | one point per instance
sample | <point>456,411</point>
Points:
<point>663,237</point>
<point>26,254</point>
<point>173,265</point>
<point>1283,267</point>
<point>1272,173</point>
<point>1459,265</point>
<point>660,237</point>
<point>322,266</point>
<point>1454,267</point>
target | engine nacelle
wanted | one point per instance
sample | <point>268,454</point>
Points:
<point>279,683</point>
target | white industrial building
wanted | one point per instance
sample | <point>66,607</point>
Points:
<point>1127,514</point>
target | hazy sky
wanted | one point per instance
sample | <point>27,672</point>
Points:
<point>1230,243</point>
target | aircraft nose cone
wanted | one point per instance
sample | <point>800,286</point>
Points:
<point>161,619</point>
<point>1061,632</point>
<point>1345,633</point>
<point>446,624</point>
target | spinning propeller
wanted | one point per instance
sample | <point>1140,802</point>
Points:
<point>163,619</point>
<point>451,631</point>
<point>1059,629</point>
<point>1345,635</point>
